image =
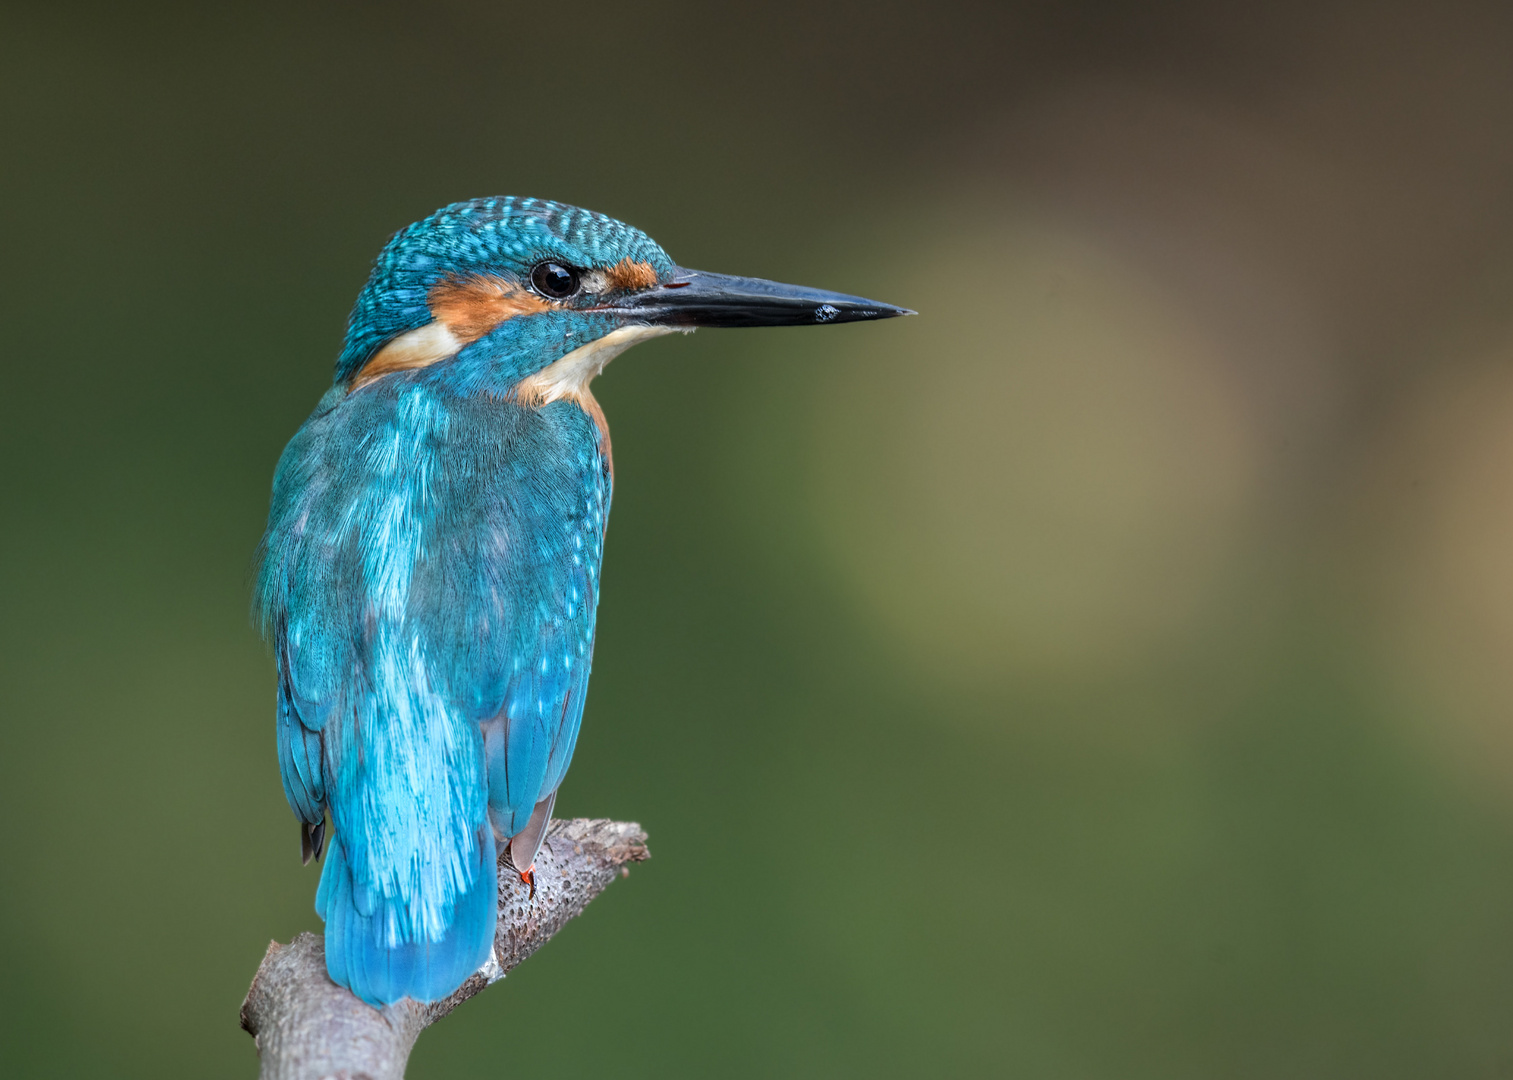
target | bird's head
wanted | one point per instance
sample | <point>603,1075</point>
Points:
<point>543,295</point>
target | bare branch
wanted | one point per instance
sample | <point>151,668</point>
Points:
<point>308,1028</point>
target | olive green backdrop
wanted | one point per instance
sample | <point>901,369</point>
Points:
<point>1104,674</point>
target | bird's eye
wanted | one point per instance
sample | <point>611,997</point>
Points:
<point>554,280</point>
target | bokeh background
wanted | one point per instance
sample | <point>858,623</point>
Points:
<point>1104,674</point>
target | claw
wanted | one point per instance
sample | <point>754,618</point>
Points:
<point>528,876</point>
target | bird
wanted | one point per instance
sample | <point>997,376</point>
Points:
<point>428,579</point>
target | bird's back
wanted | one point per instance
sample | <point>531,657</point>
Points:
<point>430,581</point>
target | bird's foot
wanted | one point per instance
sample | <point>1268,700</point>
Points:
<point>528,876</point>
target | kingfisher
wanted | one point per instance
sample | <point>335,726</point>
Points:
<point>429,576</point>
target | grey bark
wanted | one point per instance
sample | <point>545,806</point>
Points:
<point>308,1028</point>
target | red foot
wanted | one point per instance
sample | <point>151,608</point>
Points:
<point>528,875</point>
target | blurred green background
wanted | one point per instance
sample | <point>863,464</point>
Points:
<point>1104,674</point>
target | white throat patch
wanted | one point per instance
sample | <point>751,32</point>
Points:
<point>569,377</point>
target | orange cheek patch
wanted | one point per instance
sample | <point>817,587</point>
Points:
<point>631,275</point>
<point>472,306</point>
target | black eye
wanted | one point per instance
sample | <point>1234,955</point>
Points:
<point>554,280</point>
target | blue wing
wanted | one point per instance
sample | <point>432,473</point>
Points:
<point>299,766</point>
<point>430,582</point>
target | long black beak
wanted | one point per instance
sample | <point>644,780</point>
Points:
<point>695,298</point>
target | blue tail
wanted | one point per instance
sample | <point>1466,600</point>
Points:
<point>423,970</point>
